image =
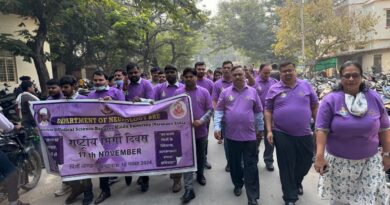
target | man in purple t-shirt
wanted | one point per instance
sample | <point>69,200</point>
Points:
<point>219,85</point>
<point>104,92</point>
<point>241,108</point>
<point>163,91</point>
<point>290,105</point>
<point>262,84</point>
<point>139,89</point>
<point>202,111</point>
<point>207,84</point>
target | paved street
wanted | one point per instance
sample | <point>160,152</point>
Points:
<point>219,189</point>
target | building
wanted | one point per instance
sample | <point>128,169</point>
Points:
<point>375,55</point>
<point>12,67</point>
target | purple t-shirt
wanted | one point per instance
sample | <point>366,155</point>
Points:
<point>143,89</point>
<point>114,93</point>
<point>201,103</point>
<point>352,137</point>
<point>219,85</point>
<point>291,107</point>
<point>262,86</point>
<point>239,109</point>
<point>206,84</point>
<point>165,90</point>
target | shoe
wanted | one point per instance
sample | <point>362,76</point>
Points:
<point>88,198</point>
<point>144,186</point>
<point>237,191</point>
<point>176,186</point>
<point>103,196</point>
<point>201,180</point>
<point>73,195</point>
<point>63,190</point>
<point>207,165</point>
<point>113,180</point>
<point>227,168</point>
<point>128,180</point>
<point>300,189</point>
<point>252,202</point>
<point>188,196</point>
<point>270,167</point>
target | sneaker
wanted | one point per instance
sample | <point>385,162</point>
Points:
<point>65,188</point>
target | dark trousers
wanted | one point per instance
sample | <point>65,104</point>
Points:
<point>268,154</point>
<point>87,187</point>
<point>142,179</point>
<point>201,144</point>
<point>8,170</point>
<point>294,155</point>
<point>223,133</point>
<point>104,185</point>
<point>248,175</point>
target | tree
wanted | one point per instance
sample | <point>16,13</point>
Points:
<point>43,12</point>
<point>327,29</point>
<point>243,24</point>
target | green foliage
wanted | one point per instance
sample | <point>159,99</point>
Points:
<point>243,25</point>
<point>327,29</point>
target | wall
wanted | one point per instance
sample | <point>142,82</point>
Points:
<point>9,24</point>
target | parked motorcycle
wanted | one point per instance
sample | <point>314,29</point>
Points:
<point>19,148</point>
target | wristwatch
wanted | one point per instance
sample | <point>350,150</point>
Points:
<point>386,154</point>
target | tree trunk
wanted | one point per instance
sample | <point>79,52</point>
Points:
<point>39,57</point>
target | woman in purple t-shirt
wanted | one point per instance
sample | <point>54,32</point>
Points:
<point>351,121</point>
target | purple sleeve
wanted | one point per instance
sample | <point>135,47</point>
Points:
<point>149,91</point>
<point>324,114</point>
<point>211,88</point>
<point>384,119</point>
<point>214,94</point>
<point>120,95</point>
<point>209,105</point>
<point>157,93</point>
<point>221,102</point>
<point>313,96</point>
<point>257,106</point>
<point>269,101</point>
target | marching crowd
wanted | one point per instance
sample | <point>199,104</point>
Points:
<point>247,107</point>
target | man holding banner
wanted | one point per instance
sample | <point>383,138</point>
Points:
<point>138,90</point>
<point>167,90</point>
<point>202,112</point>
<point>104,92</point>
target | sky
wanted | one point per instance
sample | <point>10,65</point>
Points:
<point>211,5</point>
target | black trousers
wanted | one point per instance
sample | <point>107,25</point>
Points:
<point>201,145</point>
<point>294,155</point>
<point>268,154</point>
<point>248,175</point>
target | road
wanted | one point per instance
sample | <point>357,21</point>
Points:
<point>219,189</point>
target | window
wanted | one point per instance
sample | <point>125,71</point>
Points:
<point>377,63</point>
<point>7,67</point>
<point>388,18</point>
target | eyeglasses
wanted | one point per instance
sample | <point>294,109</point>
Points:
<point>353,75</point>
<point>287,71</point>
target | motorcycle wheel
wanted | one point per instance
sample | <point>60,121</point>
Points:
<point>33,166</point>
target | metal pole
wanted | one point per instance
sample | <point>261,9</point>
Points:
<point>303,37</point>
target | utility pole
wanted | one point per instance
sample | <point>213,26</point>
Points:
<point>303,37</point>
